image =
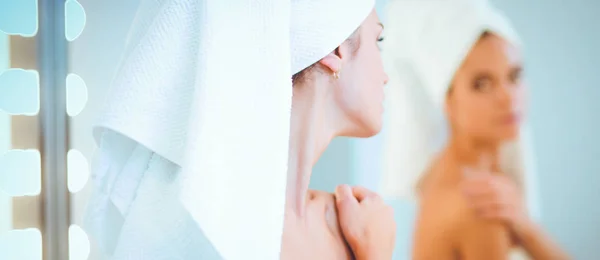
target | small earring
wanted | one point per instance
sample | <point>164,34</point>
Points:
<point>336,74</point>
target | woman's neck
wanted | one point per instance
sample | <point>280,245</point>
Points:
<point>460,153</point>
<point>310,134</point>
<point>467,151</point>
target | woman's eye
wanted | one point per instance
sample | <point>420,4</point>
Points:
<point>482,84</point>
<point>515,77</point>
<point>379,41</point>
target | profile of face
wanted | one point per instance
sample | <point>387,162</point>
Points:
<point>486,100</point>
<point>358,92</point>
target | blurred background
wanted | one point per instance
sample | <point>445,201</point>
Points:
<point>57,59</point>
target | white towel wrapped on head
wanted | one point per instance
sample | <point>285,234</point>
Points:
<point>206,85</point>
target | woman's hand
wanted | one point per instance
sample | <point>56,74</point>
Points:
<point>367,223</point>
<point>497,197</point>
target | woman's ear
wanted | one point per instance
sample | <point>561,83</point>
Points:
<point>332,61</point>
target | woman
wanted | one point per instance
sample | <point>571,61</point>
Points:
<point>214,192</point>
<point>460,61</point>
<point>341,95</point>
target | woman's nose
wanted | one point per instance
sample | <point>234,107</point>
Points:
<point>385,78</point>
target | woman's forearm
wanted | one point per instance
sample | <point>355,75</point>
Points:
<point>539,245</point>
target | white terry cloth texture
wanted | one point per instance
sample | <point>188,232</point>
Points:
<point>135,211</point>
<point>193,144</point>
<point>426,42</point>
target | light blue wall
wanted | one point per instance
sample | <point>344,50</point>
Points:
<point>562,53</point>
<point>334,166</point>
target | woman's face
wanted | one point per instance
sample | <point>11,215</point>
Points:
<point>359,91</point>
<point>486,100</point>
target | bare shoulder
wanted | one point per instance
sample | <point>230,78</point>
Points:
<point>323,214</point>
<point>322,203</point>
<point>317,234</point>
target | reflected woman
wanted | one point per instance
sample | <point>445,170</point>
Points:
<point>459,67</point>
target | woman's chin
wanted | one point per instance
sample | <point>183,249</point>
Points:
<point>371,129</point>
<point>510,135</point>
<point>365,130</point>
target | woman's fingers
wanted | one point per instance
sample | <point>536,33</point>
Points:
<point>344,197</point>
<point>362,194</point>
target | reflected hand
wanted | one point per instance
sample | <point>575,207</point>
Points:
<point>496,197</point>
<point>367,222</point>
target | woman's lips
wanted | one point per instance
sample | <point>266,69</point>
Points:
<point>511,119</point>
